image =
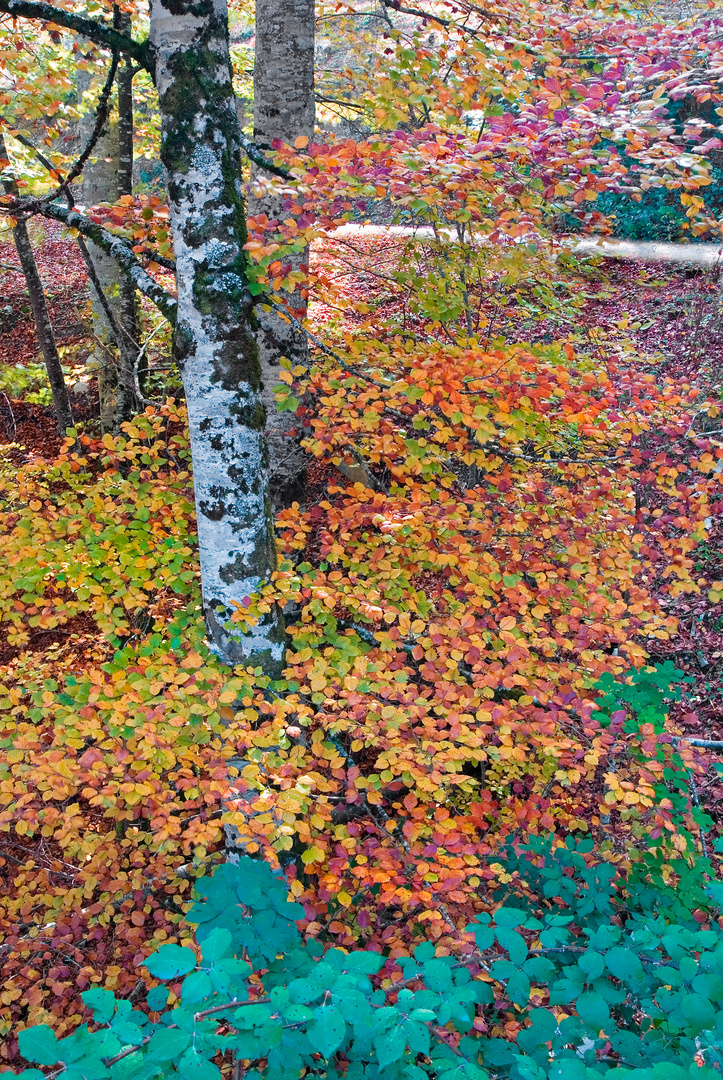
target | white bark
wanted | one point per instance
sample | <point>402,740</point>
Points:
<point>101,185</point>
<point>214,341</point>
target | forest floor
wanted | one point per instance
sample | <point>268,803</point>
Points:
<point>664,316</point>
<point>664,301</point>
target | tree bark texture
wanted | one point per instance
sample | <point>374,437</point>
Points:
<point>124,82</point>
<point>43,325</point>
<point>215,340</point>
<point>101,183</point>
<point>283,109</point>
<point>127,301</point>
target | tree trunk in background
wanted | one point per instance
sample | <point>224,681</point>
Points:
<point>101,183</point>
<point>43,325</point>
<point>215,340</point>
<point>127,301</point>
<point>283,109</point>
<point>124,84</point>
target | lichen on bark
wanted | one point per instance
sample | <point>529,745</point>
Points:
<point>215,340</point>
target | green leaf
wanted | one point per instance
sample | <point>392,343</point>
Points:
<point>170,961</point>
<point>390,1046</point>
<point>39,1044</point>
<point>592,963</point>
<point>422,1014</point>
<point>193,1066</point>
<point>157,998</point>
<point>364,962</point>
<point>592,1010</point>
<point>624,964</point>
<point>296,1014</point>
<point>327,1031</point>
<point>100,1002</point>
<point>541,1030</point>
<point>417,1037</point>
<point>437,974</point>
<point>304,991</point>
<point>88,1069</point>
<point>424,952</point>
<point>568,1069</point>
<point>196,987</point>
<point>216,945</point>
<point>167,1043</point>
<point>699,1011</point>
<point>514,944</point>
<point>539,968</point>
<point>518,988</point>
<point>484,937</point>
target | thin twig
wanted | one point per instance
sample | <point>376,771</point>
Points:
<point>136,380</point>
<point>286,314</point>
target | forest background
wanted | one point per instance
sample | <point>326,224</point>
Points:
<point>439,723</point>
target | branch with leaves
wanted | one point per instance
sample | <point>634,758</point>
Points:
<point>112,245</point>
<point>141,51</point>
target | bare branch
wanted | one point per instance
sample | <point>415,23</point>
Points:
<point>395,5</point>
<point>337,101</point>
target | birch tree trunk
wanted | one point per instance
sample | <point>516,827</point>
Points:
<point>283,109</point>
<point>105,178</point>
<point>127,402</point>
<point>215,341</point>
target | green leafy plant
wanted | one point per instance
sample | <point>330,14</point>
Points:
<point>29,382</point>
<point>578,973</point>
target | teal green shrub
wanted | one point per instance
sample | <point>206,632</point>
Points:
<point>629,991</point>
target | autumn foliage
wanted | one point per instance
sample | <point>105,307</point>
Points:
<point>508,494</point>
<point>525,516</point>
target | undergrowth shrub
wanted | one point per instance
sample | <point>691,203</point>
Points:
<point>580,972</point>
<point>449,629</point>
<point>29,382</point>
<point>575,966</point>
